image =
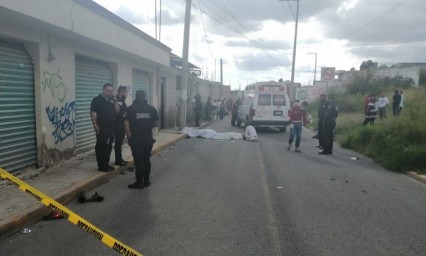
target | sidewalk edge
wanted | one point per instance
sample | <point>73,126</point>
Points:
<point>37,211</point>
<point>157,149</point>
<point>415,175</point>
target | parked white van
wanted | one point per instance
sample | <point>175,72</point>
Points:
<point>265,104</point>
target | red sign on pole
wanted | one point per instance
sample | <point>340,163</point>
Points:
<point>328,73</point>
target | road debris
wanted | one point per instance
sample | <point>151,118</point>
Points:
<point>95,198</point>
<point>25,231</point>
<point>354,158</point>
<point>54,215</point>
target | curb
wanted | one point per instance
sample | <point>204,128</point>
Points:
<point>415,175</point>
<point>37,211</point>
<point>165,145</point>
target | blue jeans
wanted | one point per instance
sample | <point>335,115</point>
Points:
<point>296,131</point>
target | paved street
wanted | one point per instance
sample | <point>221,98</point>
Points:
<point>237,197</point>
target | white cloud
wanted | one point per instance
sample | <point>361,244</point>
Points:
<point>253,37</point>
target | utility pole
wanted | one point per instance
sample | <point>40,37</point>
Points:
<point>315,72</point>
<point>159,28</point>
<point>293,64</point>
<point>221,78</point>
<point>156,30</point>
<point>184,77</point>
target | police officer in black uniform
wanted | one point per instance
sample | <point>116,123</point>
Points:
<point>329,123</point>
<point>140,119</point>
<point>119,124</point>
<point>102,113</point>
<point>198,106</point>
<point>323,105</point>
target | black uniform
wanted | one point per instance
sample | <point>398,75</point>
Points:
<point>119,130</point>
<point>395,103</point>
<point>208,108</point>
<point>105,116</point>
<point>141,118</point>
<point>197,109</point>
<point>321,111</point>
<point>329,123</point>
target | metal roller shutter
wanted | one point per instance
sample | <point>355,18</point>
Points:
<point>90,76</point>
<point>17,103</point>
<point>141,81</point>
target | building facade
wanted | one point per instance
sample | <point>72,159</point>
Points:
<point>55,56</point>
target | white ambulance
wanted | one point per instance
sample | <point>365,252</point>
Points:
<point>265,104</point>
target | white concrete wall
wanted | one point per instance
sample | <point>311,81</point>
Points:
<point>408,72</point>
<point>171,104</point>
<point>310,93</point>
<point>226,92</point>
<point>72,18</point>
<point>54,79</point>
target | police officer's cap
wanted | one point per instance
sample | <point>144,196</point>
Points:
<point>140,95</point>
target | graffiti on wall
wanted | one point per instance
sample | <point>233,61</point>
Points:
<point>53,83</point>
<point>62,119</point>
<point>309,93</point>
<point>302,94</point>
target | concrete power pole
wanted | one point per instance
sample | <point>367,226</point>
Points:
<point>293,64</point>
<point>221,78</point>
<point>184,77</point>
<point>159,28</point>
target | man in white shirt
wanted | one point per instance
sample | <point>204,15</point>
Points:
<point>401,104</point>
<point>382,104</point>
<point>250,133</point>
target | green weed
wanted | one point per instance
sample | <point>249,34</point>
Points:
<point>397,143</point>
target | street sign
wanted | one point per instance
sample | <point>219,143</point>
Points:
<point>328,73</point>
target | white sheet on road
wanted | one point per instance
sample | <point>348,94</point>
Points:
<point>210,134</point>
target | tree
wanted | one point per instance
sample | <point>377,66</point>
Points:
<point>369,64</point>
<point>361,83</point>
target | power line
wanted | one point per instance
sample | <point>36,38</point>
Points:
<point>285,10</point>
<point>257,45</point>
<point>246,28</point>
<point>244,25</point>
<point>374,20</point>
<point>204,26</point>
<point>291,9</point>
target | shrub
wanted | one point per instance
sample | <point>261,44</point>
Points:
<point>398,144</point>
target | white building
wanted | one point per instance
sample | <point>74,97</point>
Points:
<point>55,56</point>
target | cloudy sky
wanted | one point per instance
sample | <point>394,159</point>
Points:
<point>254,38</point>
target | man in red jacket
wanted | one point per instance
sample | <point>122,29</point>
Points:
<point>298,118</point>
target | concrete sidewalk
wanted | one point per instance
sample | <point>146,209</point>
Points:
<point>63,183</point>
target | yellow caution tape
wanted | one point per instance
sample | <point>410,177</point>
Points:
<point>71,216</point>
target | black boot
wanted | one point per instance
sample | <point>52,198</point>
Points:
<point>137,185</point>
<point>146,182</point>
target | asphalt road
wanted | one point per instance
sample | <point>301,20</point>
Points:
<point>238,197</point>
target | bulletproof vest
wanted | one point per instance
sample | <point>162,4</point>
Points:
<point>322,109</point>
<point>330,113</point>
<point>143,122</point>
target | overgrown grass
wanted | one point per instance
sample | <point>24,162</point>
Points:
<point>397,143</point>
